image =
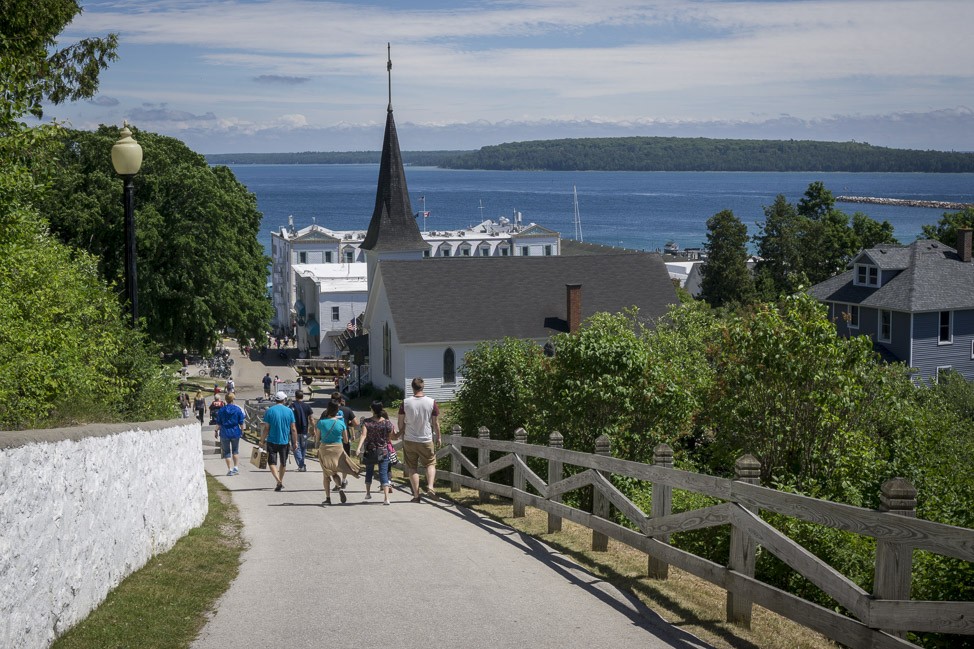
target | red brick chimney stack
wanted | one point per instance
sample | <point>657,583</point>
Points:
<point>574,307</point>
<point>964,237</point>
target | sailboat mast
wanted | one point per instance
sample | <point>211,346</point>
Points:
<point>577,220</point>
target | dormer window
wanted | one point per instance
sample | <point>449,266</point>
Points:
<point>867,275</point>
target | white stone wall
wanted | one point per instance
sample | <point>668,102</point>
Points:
<point>81,509</point>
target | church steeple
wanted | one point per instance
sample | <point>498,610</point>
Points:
<point>393,226</point>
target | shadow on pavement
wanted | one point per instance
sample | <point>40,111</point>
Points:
<point>640,615</point>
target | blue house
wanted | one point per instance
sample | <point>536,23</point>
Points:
<point>916,302</point>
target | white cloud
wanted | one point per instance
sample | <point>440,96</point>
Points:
<point>624,61</point>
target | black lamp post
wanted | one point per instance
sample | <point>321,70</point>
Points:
<point>127,159</point>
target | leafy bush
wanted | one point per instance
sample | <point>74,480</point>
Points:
<point>499,390</point>
<point>66,353</point>
<point>391,394</point>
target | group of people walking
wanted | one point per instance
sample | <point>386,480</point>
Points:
<point>286,429</point>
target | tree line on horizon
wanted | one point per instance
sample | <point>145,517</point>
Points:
<point>649,154</point>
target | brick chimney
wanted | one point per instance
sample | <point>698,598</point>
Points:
<point>574,307</point>
<point>964,236</point>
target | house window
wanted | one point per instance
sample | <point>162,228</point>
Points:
<point>328,256</point>
<point>547,250</point>
<point>504,251</point>
<point>426,253</point>
<point>525,251</point>
<point>853,316</point>
<point>349,256</point>
<point>465,252</point>
<point>945,334</point>
<point>386,350</point>
<point>485,251</point>
<point>867,275</point>
<point>449,366</point>
<point>885,325</point>
<point>334,314</point>
<point>444,252</point>
<point>302,257</point>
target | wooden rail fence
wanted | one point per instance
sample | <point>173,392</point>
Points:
<point>879,619</point>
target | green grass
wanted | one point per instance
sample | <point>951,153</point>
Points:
<point>167,602</point>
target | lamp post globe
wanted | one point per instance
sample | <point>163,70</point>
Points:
<point>127,160</point>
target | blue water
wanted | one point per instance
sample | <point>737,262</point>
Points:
<point>641,210</point>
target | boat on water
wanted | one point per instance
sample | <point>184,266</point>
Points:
<point>671,248</point>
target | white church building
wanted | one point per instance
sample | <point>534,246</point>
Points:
<point>319,275</point>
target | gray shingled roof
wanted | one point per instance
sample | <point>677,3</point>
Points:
<point>886,257</point>
<point>486,298</point>
<point>393,225</point>
<point>934,279</point>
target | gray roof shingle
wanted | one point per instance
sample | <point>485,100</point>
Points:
<point>932,279</point>
<point>471,299</point>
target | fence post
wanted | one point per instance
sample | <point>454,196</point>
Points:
<point>483,459</point>
<point>894,561</point>
<point>742,547</point>
<point>662,506</point>
<point>555,440</point>
<point>455,468</point>
<point>600,504</point>
<point>520,437</point>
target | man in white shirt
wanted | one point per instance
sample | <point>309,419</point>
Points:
<point>420,425</point>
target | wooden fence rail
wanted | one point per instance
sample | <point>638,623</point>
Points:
<point>879,619</point>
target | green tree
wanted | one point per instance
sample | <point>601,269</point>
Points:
<point>32,69</point>
<point>807,403</point>
<point>726,279</point>
<point>500,379</point>
<point>870,232</point>
<point>945,230</point>
<point>201,267</point>
<point>66,354</point>
<point>779,270</point>
<point>811,243</point>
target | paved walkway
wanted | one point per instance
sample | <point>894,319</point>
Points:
<point>408,575</point>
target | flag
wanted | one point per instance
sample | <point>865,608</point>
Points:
<point>426,214</point>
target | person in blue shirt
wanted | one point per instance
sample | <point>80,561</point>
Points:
<point>280,434</point>
<point>335,463</point>
<point>229,419</point>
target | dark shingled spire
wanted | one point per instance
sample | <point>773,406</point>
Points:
<point>393,225</point>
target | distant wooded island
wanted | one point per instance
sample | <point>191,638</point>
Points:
<point>648,154</point>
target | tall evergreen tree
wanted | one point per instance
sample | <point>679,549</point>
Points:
<point>780,269</point>
<point>726,277</point>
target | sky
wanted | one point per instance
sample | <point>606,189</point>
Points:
<point>234,76</point>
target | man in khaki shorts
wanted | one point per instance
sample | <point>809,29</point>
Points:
<point>420,425</point>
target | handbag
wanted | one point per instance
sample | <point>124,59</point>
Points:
<point>393,456</point>
<point>375,455</point>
